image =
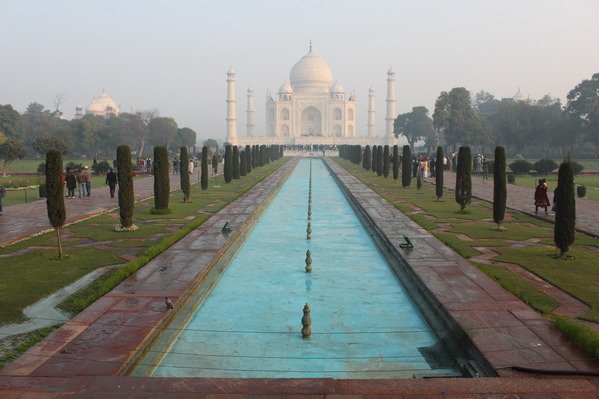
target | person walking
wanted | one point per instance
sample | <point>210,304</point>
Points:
<point>71,181</point>
<point>111,180</point>
<point>88,180</point>
<point>541,198</point>
<point>81,183</point>
<point>485,168</point>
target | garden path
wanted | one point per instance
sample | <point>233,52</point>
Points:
<point>522,199</point>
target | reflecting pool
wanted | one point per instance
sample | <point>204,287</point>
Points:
<point>364,325</point>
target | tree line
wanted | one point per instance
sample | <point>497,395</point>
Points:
<point>537,128</point>
<point>38,130</point>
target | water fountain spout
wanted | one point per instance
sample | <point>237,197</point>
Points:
<point>309,231</point>
<point>306,322</point>
<point>308,261</point>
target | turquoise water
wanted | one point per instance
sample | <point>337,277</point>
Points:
<point>364,325</point>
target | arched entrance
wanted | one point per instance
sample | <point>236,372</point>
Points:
<point>311,122</point>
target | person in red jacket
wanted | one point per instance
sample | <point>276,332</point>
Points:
<point>541,198</point>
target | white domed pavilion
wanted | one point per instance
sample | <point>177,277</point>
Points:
<point>103,105</point>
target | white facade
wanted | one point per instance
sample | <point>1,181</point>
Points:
<point>309,109</point>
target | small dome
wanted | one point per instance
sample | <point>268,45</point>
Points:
<point>337,89</point>
<point>103,105</point>
<point>311,72</point>
<point>285,89</point>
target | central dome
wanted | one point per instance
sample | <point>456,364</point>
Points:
<point>311,73</point>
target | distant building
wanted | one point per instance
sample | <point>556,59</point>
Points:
<point>103,106</point>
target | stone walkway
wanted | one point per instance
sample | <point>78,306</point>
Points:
<point>522,199</point>
<point>24,220</point>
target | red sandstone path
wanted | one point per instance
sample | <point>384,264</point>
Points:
<point>522,199</point>
<point>23,220</point>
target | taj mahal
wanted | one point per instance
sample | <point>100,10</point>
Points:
<point>310,109</point>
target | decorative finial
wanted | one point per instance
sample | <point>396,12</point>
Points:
<point>310,45</point>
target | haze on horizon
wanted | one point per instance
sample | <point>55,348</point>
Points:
<point>173,56</point>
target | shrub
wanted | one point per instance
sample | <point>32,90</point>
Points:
<point>228,164</point>
<point>73,166</point>
<point>125,178</point>
<point>576,167</point>
<point>406,175</point>
<point>367,159</point>
<point>386,161</point>
<point>544,166</point>
<point>248,159</point>
<point>55,194</point>
<point>242,163</point>
<point>395,162</point>
<point>161,178</point>
<point>499,186</point>
<point>463,181</point>
<point>520,167</point>
<point>204,171</point>
<point>581,191</point>
<point>565,209</point>
<point>41,168</point>
<point>101,168</point>
<point>236,168</point>
<point>439,173</point>
<point>214,162</point>
<point>184,174</point>
<point>511,178</point>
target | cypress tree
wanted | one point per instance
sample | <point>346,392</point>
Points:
<point>367,158</point>
<point>439,173</point>
<point>419,181</point>
<point>184,174</point>
<point>236,168</point>
<point>499,186</point>
<point>248,159</point>
<point>395,162</point>
<point>204,171</point>
<point>228,164</point>
<point>379,160</point>
<point>565,208</point>
<point>214,162</point>
<point>463,181</point>
<point>406,175</point>
<point>255,156</point>
<point>242,163</point>
<point>373,161</point>
<point>162,186</point>
<point>386,161</point>
<point>125,178</point>
<point>55,195</point>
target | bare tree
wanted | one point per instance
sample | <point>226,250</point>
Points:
<point>58,101</point>
<point>145,116</point>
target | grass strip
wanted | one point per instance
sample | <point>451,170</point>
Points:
<point>521,288</point>
<point>27,342</point>
<point>85,297</point>
<point>581,335</point>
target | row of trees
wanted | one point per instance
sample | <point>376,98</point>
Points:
<point>38,130</point>
<point>535,127</point>
<point>377,159</point>
<point>247,160</point>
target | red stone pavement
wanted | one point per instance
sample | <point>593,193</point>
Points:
<point>84,356</point>
<point>522,199</point>
<point>23,220</point>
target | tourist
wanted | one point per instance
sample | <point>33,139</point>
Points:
<point>149,165</point>
<point>81,183</point>
<point>71,181</point>
<point>415,165</point>
<point>485,165</point>
<point>176,165</point>
<point>111,180</point>
<point>2,194</point>
<point>541,198</point>
<point>191,167</point>
<point>88,180</point>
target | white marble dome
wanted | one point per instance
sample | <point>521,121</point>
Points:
<point>337,89</point>
<point>311,73</point>
<point>285,89</point>
<point>103,106</point>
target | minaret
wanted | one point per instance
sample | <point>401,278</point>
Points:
<point>371,115</point>
<point>231,108</point>
<point>250,113</point>
<point>390,117</point>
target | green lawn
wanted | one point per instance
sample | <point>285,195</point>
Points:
<point>33,273</point>
<point>590,181</point>
<point>579,277</point>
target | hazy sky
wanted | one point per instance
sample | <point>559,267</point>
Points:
<point>173,55</point>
